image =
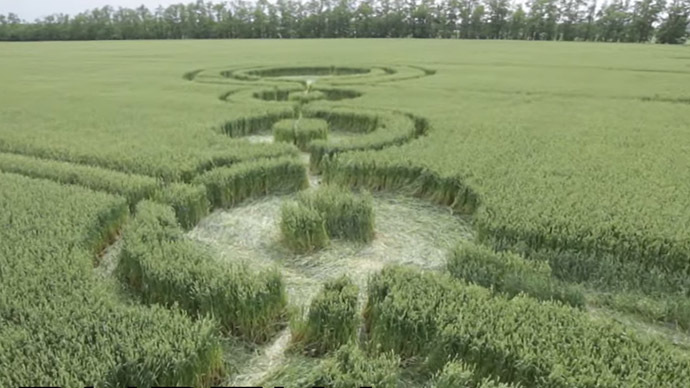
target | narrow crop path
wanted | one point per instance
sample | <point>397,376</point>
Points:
<point>264,363</point>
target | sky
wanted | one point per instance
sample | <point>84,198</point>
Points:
<point>32,9</point>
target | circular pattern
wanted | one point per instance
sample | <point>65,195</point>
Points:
<point>325,74</point>
<point>354,128</point>
<point>306,116</point>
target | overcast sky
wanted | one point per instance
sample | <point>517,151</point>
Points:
<point>32,9</point>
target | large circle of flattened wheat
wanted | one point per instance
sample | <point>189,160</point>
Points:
<point>301,73</point>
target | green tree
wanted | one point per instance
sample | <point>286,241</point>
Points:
<point>589,27</point>
<point>542,20</point>
<point>518,23</point>
<point>618,21</point>
<point>497,18</point>
<point>422,20</point>
<point>613,21</point>
<point>572,18</point>
<point>674,28</point>
<point>288,13</point>
<point>365,20</point>
<point>340,21</point>
<point>466,9</point>
<point>645,14</point>
<point>391,18</point>
<point>477,22</point>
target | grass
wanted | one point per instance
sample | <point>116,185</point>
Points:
<point>332,319</point>
<point>571,154</point>
<point>47,272</point>
<point>303,228</point>
<point>458,374</point>
<point>432,319</point>
<point>300,132</point>
<point>328,212</point>
<point>163,267</point>
<point>510,274</point>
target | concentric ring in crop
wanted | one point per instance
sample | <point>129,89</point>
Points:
<point>328,74</point>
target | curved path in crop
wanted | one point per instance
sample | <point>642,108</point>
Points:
<point>333,75</point>
<point>408,230</point>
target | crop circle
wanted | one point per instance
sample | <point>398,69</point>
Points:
<point>364,74</point>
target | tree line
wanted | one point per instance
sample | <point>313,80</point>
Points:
<point>569,20</point>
